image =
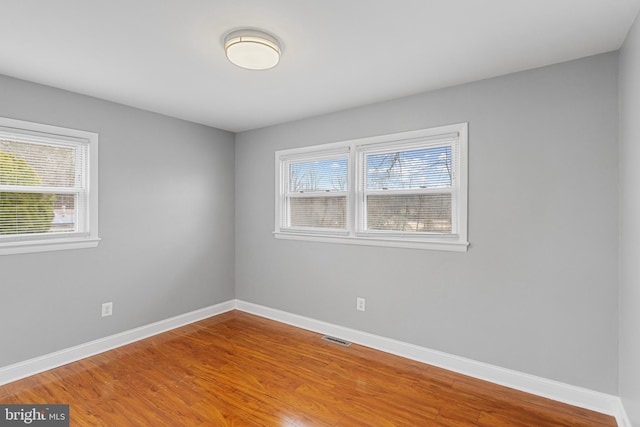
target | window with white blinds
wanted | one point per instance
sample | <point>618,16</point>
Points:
<point>409,187</point>
<point>48,187</point>
<point>407,190</point>
<point>315,194</point>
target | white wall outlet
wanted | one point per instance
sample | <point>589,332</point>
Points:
<point>360,304</point>
<point>107,309</point>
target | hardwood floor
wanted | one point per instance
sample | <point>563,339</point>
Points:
<point>236,369</point>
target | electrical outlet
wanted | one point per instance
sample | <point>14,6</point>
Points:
<point>107,309</point>
<point>360,304</point>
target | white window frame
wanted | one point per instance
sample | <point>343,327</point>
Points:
<point>87,234</point>
<point>455,135</point>
<point>284,190</point>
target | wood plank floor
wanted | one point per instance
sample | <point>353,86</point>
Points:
<point>236,369</point>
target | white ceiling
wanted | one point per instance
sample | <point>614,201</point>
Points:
<point>167,56</point>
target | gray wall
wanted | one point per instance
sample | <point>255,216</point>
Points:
<point>537,290</point>
<point>166,220</point>
<point>630,224</point>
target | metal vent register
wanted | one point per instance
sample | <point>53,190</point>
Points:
<point>336,341</point>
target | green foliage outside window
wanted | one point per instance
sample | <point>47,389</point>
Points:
<point>22,213</point>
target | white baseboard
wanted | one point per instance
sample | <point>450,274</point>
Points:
<point>566,393</point>
<point>621,416</point>
<point>53,360</point>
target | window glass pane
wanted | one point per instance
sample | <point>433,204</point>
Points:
<point>320,212</point>
<point>28,213</point>
<point>424,168</point>
<point>64,214</point>
<point>23,163</point>
<point>320,175</point>
<point>410,213</point>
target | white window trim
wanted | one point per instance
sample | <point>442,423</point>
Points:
<point>354,235</point>
<point>46,243</point>
<point>283,185</point>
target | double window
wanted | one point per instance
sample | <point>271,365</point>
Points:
<point>48,188</point>
<point>407,190</point>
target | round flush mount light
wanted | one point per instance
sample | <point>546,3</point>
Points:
<point>252,49</point>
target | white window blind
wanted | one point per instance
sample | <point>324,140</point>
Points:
<point>45,187</point>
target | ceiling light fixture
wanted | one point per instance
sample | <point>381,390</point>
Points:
<point>252,49</point>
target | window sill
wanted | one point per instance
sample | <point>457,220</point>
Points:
<point>441,245</point>
<point>25,247</point>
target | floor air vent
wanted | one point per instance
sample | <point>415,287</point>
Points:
<point>336,341</point>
